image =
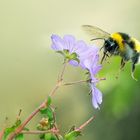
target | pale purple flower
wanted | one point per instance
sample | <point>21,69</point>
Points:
<point>88,57</point>
<point>91,63</point>
<point>68,42</point>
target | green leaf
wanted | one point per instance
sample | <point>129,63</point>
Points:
<point>11,129</point>
<point>73,55</point>
<point>19,137</point>
<point>76,59</point>
<point>66,52</point>
<point>42,136</point>
<point>49,101</point>
<point>50,114</point>
<point>61,52</point>
<point>39,127</point>
<point>71,129</point>
<point>72,135</point>
<point>7,132</point>
<point>17,123</point>
<point>47,112</point>
<point>43,111</point>
<point>26,129</point>
<point>50,136</point>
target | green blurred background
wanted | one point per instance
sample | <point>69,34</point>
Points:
<point>29,68</point>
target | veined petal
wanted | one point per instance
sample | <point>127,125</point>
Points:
<point>89,57</point>
<point>57,43</point>
<point>94,70</point>
<point>69,42</point>
<point>80,47</point>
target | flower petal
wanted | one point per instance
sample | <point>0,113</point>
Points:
<point>96,97</point>
<point>57,43</point>
<point>73,62</point>
<point>69,42</point>
<point>88,58</point>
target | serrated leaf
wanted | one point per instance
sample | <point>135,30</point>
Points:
<point>50,136</point>
<point>49,101</point>
<point>72,135</point>
<point>19,137</point>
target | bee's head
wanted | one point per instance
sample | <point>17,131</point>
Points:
<point>110,46</point>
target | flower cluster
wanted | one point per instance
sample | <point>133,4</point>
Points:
<point>78,53</point>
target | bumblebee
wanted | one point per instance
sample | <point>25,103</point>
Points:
<point>121,44</point>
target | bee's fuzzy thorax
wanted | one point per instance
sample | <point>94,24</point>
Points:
<point>118,38</point>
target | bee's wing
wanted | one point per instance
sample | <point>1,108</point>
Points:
<point>95,31</point>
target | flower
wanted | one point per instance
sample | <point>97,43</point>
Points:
<point>80,54</point>
<point>66,43</point>
<point>91,63</point>
<point>69,47</point>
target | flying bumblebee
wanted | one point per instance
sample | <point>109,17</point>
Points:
<point>121,44</point>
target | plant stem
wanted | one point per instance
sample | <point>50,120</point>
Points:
<point>40,132</point>
<point>82,81</point>
<point>58,84</point>
<point>76,82</point>
<point>2,133</point>
<point>28,119</point>
<point>60,77</point>
<point>85,124</point>
<point>44,103</point>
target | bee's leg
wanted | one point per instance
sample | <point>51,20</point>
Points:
<point>122,64</point>
<point>121,68</point>
<point>132,71</point>
<point>134,61</point>
<point>104,56</point>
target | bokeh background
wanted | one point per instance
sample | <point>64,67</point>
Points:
<point>29,68</point>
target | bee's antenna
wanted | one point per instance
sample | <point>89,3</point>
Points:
<point>101,48</point>
<point>97,39</point>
